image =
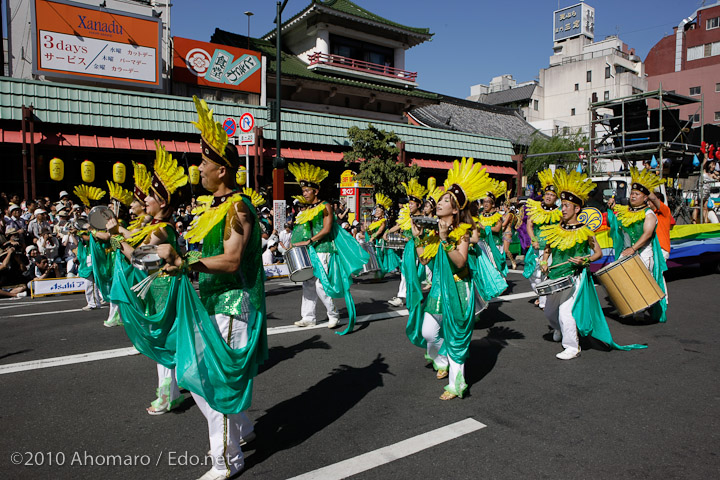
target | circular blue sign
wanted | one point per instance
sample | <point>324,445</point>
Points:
<point>230,126</point>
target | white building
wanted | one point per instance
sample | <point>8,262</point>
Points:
<point>580,71</point>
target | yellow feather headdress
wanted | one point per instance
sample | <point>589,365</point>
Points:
<point>119,193</point>
<point>300,199</point>
<point>308,175</point>
<point>255,198</point>
<point>573,186</point>
<point>467,181</point>
<point>86,193</point>
<point>213,139</point>
<point>168,176</point>
<point>546,180</point>
<point>383,200</point>
<point>496,189</point>
<point>434,192</point>
<point>644,180</point>
<point>142,181</point>
<point>414,190</point>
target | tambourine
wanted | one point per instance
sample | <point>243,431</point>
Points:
<point>99,216</point>
<point>425,222</point>
<point>145,258</point>
<point>81,224</point>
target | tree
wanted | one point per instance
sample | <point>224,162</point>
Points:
<point>556,143</point>
<point>376,152</point>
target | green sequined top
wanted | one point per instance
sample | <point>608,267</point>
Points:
<point>635,230</point>
<point>223,293</point>
<point>559,256</point>
<point>305,231</point>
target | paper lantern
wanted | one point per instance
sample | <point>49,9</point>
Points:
<point>241,176</point>
<point>57,169</point>
<point>87,171</point>
<point>194,174</point>
<point>119,172</point>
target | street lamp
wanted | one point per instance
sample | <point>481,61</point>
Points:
<point>249,14</point>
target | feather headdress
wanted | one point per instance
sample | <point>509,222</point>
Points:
<point>546,180</point>
<point>142,181</point>
<point>119,193</point>
<point>573,186</point>
<point>466,181</point>
<point>86,193</point>
<point>308,175</point>
<point>255,198</point>
<point>415,190</point>
<point>168,176</point>
<point>213,138</point>
<point>644,180</point>
<point>496,189</point>
<point>434,192</point>
<point>383,200</point>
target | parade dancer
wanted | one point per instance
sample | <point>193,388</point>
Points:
<point>449,310</point>
<point>388,260</point>
<point>88,196</point>
<point>334,254</point>
<point>633,230</point>
<point>573,247</point>
<point>538,214</point>
<point>490,225</point>
<point>222,337</point>
<point>415,192</point>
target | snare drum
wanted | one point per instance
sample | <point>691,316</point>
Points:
<point>630,285</point>
<point>99,216</point>
<point>298,262</point>
<point>145,258</point>
<point>549,287</point>
<point>372,264</point>
<point>396,241</point>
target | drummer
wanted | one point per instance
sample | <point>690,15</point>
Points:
<point>572,247</point>
<point>89,196</point>
<point>334,254</point>
<point>490,225</point>
<point>633,230</point>
<point>415,192</point>
<point>388,260</point>
<point>167,178</point>
<point>538,214</point>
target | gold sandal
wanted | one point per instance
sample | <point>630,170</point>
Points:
<point>442,374</point>
<point>447,395</point>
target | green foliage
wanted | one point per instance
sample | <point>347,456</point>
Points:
<point>376,153</point>
<point>556,143</point>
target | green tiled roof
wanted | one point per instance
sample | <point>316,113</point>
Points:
<point>292,66</point>
<point>348,7</point>
<point>148,113</point>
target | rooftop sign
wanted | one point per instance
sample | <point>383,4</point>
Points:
<point>573,22</point>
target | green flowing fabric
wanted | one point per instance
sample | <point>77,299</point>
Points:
<point>531,261</point>
<point>102,266</point>
<point>616,234</point>
<point>152,333</point>
<point>498,255</point>
<point>410,269</point>
<point>83,251</point>
<point>487,280</point>
<point>589,316</point>
<point>387,259</point>
<point>349,260</point>
<point>457,325</point>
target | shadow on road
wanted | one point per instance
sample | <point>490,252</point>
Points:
<point>15,353</point>
<point>293,421</point>
<point>280,354</point>
<point>484,353</point>
<point>491,316</point>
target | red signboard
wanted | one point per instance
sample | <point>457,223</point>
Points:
<point>78,40</point>
<point>215,65</point>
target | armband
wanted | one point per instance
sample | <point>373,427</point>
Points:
<point>116,241</point>
<point>543,262</point>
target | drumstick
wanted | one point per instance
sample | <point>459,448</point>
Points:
<point>559,265</point>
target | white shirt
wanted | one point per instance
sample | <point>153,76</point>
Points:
<point>267,257</point>
<point>285,238</point>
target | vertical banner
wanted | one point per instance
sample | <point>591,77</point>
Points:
<point>279,217</point>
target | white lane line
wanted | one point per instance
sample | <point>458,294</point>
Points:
<point>33,302</point>
<point>68,360</point>
<point>56,312</point>
<point>388,454</point>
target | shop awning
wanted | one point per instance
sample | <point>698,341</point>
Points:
<point>98,141</point>
<point>305,154</point>
<point>441,165</point>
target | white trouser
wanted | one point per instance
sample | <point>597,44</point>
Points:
<point>537,277</point>
<point>163,374</point>
<point>428,274</point>
<point>558,311</point>
<point>113,311</point>
<point>312,290</point>
<point>226,431</point>
<point>71,266</point>
<point>92,294</point>
<point>402,289</point>
<point>431,334</point>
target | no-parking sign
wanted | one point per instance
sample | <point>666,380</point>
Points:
<point>247,122</point>
<point>230,126</point>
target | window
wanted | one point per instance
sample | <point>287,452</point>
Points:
<point>577,87</point>
<point>589,75</point>
<point>694,90</point>
<point>717,116</point>
<point>694,53</point>
<point>694,118</point>
<point>717,87</point>
<point>607,71</point>
<point>536,105</point>
<point>712,23</point>
<point>359,50</point>
<point>594,97</point>
<point>566,130</point>
<point>572,112</point>
<point>606,95</point>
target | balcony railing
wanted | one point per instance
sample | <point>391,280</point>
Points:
<point>361,66</point>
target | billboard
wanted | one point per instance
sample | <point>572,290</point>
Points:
<point>573,22</point>
<point>218,66</point>
<point>74,40</point>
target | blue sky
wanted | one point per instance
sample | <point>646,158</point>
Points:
<point>474,40</point>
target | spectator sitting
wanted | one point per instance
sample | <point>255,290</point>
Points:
<point>15,221</point>
<point>38,224</point>
<point>268,256</point>
<point>44,269</point>
<point>284,238</point>
<point>48,245</point>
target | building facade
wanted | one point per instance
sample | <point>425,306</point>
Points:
<point>688,63</point>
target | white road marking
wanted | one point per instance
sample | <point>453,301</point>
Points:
<point>68,360</point>
<point>56,312</point>
<point>388,454</point>
<point>33,302</point>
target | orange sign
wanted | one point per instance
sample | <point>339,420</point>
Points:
<point>77,40</point>
<point>215,65</point>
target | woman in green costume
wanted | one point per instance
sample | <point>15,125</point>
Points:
<point>388,260</point>
<point>490,226</point>
<point>89,196</point>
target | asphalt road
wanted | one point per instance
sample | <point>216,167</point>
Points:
<point>322,399</point>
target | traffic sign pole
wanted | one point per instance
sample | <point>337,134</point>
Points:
<point>247,166</point>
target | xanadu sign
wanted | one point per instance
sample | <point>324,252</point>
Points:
<point>218,66</point>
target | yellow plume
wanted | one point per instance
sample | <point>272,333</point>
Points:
<point>120,194</point>
<point>210,130</point>
<point>86,193</point>
<point>470,177</point>
<point>383,201</point>
<point>546,178</point>
<point>255,198</point>
<point>645,178</point>
<point>304,172</point>
<point>142,177</point>
<point>414,189</point>
<point>574,182</point>
<point>496,188</point>
<point>167,169</point>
